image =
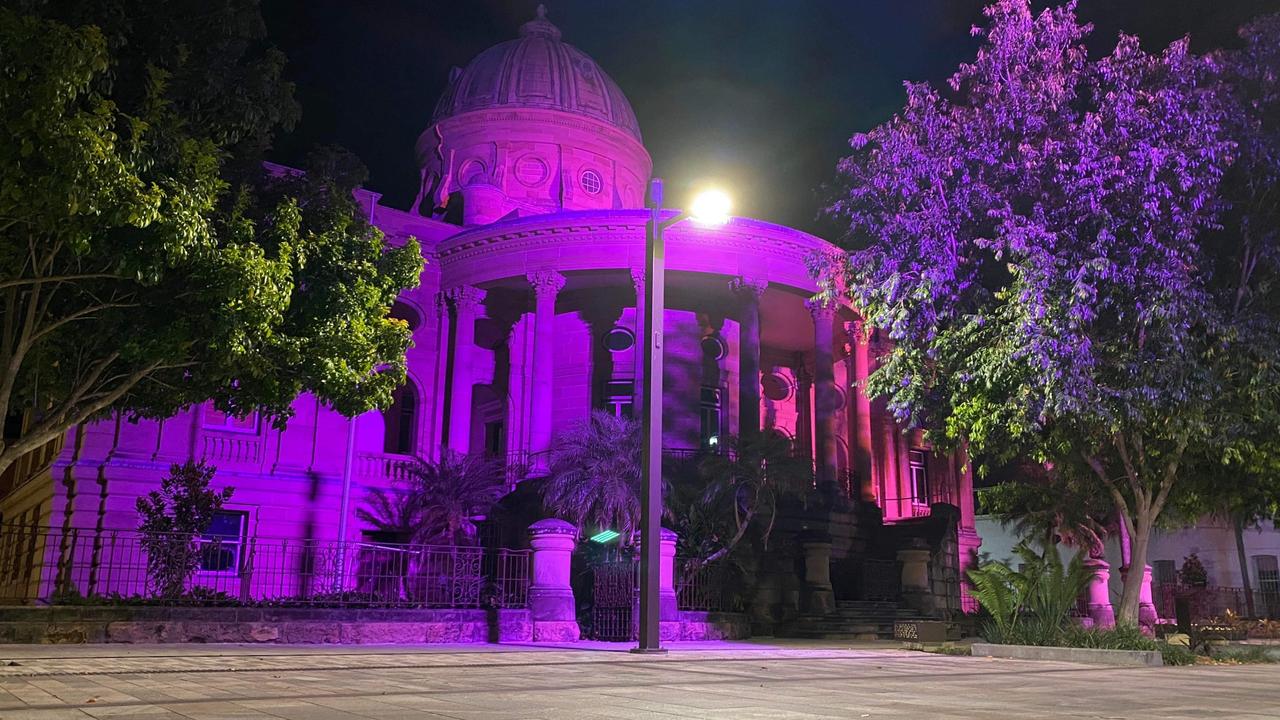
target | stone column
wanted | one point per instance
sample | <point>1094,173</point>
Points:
<point>637,283</point>
<point>466,307</point>
<point>916,591</point>
<point>749,291</point>
<point>1099,593</point>
<point>546,285</point>
<point>819,596</point>
<point>860,407</point>
<point>804,407</point>
<point>551,604</point>
<point>826,397</point>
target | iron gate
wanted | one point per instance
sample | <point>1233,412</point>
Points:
<point>614,612</point>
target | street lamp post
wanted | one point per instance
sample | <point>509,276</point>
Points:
<point>712,208</point>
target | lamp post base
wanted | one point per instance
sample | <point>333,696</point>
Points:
<point>649,651</point>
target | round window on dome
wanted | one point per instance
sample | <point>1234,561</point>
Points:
<point>619,339</point>
<point>591,182</point>
<point>713,347</point>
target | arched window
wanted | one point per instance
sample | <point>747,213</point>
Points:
<point>401,420</point>
<point>401,311</point>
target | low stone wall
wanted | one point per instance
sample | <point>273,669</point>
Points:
<point>260,625</point>
<point>698,625</point>
<point>1091,656</point>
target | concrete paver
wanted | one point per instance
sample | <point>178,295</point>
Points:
<point>709,681</point>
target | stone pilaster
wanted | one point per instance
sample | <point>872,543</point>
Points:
<point>467,302</point>
<point>546,284</point>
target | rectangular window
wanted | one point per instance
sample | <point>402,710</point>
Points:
<point>494,438</point>
<point>919,468</point>
<point>1267,570</point>
<point>1164,572</point>
<point>222,544</point>
<point>709,412</point>
<point>215,419</point>
<point>619,398</point>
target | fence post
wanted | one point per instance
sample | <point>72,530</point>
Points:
<point>551,603</point>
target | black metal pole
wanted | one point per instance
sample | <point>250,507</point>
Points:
<point>651,427</point>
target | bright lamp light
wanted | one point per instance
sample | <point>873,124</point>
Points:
<point>711,207</point>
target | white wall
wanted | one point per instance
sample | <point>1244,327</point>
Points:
<point>1211,539</point>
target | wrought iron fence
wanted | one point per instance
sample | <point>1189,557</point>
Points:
<point>615,596</point>
<point>1211,601</point>
<point>712,587</point>
<point>50,566</point>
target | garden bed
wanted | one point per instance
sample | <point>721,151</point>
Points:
<point>1090,656</point>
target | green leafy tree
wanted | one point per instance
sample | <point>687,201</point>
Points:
<point>172,520</point>
<point>147,261</point>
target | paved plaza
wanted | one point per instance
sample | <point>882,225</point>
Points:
<point>599,682</point>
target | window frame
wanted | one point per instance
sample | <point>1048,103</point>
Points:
<point>236,547</point>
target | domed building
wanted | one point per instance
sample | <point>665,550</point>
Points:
<point>531,215</point>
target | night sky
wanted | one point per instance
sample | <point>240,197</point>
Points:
<point>759,96</point>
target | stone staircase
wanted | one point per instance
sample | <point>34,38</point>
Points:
<point>851,620</point>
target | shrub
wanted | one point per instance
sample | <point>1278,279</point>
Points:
<point>173,518</point>
<point>1176,654</point>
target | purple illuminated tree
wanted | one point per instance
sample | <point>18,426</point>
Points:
<point>1042,242</point>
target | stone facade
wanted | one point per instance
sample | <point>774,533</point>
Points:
<point>532,224</point>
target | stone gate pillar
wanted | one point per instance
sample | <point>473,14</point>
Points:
<point>916,591</point>
<point>551,603</point>
<point>819,596</point>
<point>1099,593</point>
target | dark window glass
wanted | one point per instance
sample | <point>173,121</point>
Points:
<point>619,339</point>
<point>493,438</point>
<point>919,465</point>
<point>709,416</point>
<point>222,543</point>
<point>401,421</point>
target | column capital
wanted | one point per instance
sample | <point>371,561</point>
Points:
<point>858,330</point>
<point>466,298</point>
<point>748,286</point>
<point>637,280</point>
<point>546,283</point>
<point>821,308</point>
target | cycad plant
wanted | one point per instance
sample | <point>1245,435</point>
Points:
<point>1030,605</point>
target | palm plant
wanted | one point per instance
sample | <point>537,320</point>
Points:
<point>595,474</point>
<point>438,501</point>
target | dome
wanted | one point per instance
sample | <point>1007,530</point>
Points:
<point>537,70</point>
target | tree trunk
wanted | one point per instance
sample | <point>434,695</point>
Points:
<point>1238,527</point>
<point>1131,598</point>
